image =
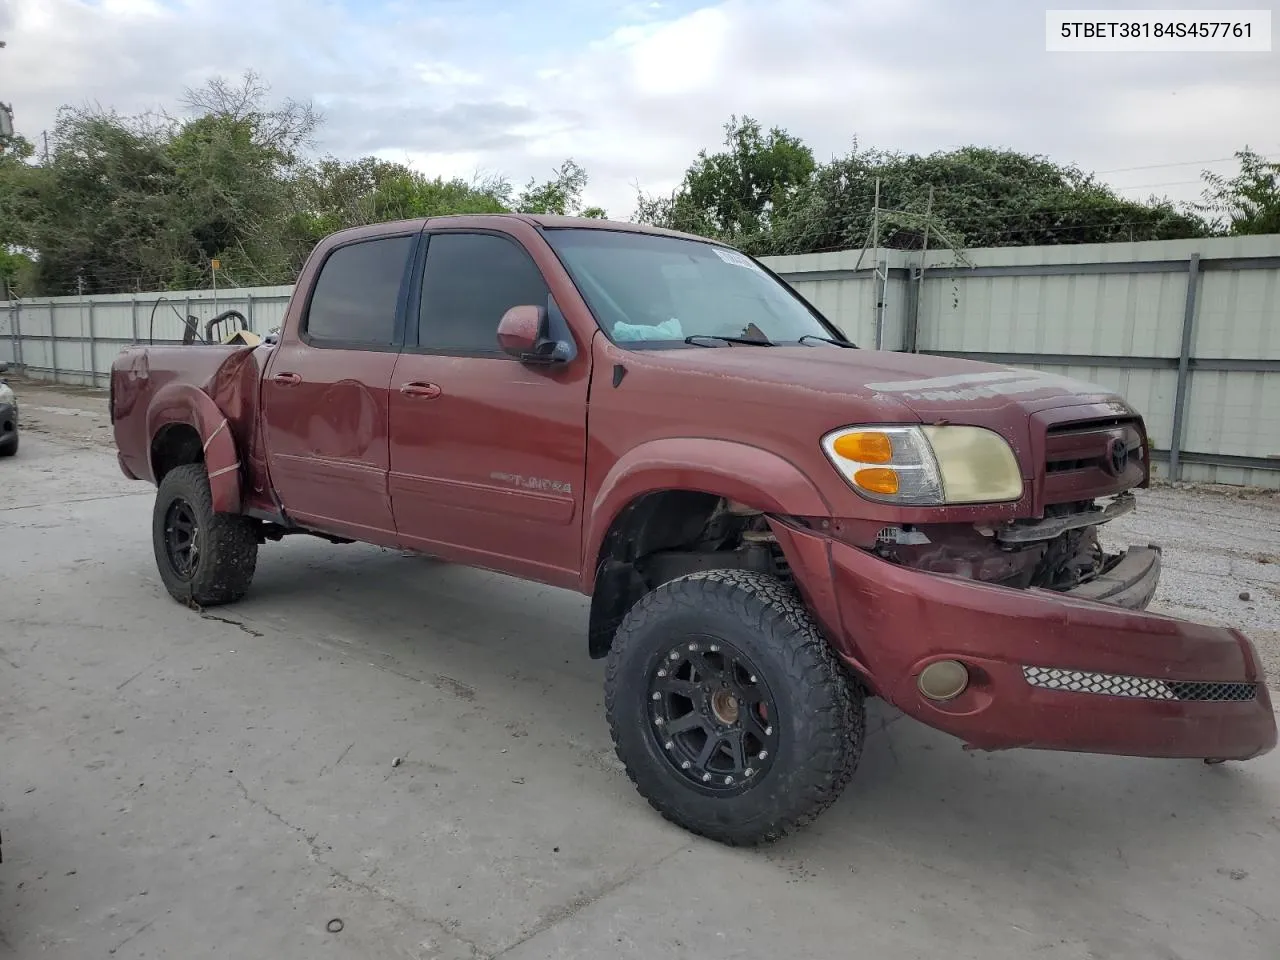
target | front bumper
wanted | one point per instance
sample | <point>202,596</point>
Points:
<point>1047,670</point>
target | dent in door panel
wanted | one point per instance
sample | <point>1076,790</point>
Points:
<point>347,424</point>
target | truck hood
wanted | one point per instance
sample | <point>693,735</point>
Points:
<point>933,388</point>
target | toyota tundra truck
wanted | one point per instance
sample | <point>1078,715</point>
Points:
<point>772,525</point>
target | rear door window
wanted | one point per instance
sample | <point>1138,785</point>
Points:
<point>357,294</point>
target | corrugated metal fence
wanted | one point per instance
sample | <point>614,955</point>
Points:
<point>75,339</point>
<point>1188,330</point>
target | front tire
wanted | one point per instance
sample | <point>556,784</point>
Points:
<point>9,448</point>
<point>204,558</point>
<point>728,709</point>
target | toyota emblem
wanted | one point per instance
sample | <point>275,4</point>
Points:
<point>1117,456</point>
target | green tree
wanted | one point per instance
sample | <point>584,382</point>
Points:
<point>736,194</point>
<point>146,202</point>
<point>561,195</point>
<point>1249,202</point>
<point>765,194</point>
<point>19,190</point>
<point>982,197</point>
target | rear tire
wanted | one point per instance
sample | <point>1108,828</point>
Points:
<point>205,558</point>
<point>9,448</point>
<point>730,712</point>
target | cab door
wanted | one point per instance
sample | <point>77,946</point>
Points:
<point>488,454</point>
<point>325,392</point>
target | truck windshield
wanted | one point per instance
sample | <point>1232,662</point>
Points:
<point>648,290</point>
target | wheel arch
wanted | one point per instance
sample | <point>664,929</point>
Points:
<point>186,426</point>
<point>662,496</point>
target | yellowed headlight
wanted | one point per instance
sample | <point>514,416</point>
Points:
<point>977,465</point>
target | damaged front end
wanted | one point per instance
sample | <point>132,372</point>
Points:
<point>1061,552</point>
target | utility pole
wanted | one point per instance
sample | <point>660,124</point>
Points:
<point>927,224</point>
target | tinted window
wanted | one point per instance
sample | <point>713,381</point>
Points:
<point>471,280</point>
<point>357,292</point>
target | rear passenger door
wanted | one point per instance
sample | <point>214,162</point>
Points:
<point>488,454</point>
<point>325,392</point>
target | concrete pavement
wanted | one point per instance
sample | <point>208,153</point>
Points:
<point>174,785</point>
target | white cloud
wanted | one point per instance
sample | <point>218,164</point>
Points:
<point>633,89</point>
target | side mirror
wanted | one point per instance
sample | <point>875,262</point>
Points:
<point>524,333</point>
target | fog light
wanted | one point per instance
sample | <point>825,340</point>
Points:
<point>943,680</point>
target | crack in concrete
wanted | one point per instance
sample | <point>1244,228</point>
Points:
<point>133,936</point>
<point>140,672</point>
<point>573,907</point>
<point>232,623</point>
<point>316,857</point>
<point>59,503</point>
<point>326,768</point>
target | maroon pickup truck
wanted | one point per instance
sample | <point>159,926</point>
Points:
<point>771,524</point>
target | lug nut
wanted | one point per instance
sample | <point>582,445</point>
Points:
<point>715,648</point>
<point>768,731</point>
<point>748,771</point>
<point>686,765</point>
<point>662,673</point>
<point>693,646</point>
<point>753,678</point>
<point>659,721</point>
<point>657,696</point>
<point>728,780</point>
<point>669,744</point>
<point>763,754</point>
<point>706,777</point>
<point>675,655</point>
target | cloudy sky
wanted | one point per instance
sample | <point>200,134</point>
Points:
<point>632,89</point>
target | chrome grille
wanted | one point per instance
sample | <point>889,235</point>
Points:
<point>1118,685</point>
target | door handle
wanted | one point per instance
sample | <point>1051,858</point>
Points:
<point>417,389</point>
<point>287,379</point>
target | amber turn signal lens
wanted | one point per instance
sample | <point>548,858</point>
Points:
<point>877,480</point>
<point>865,447</point>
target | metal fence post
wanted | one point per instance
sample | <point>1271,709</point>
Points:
<point>53,340</point>
<point>1184,368</point>
<point>133,315</point>
<point>911,308</point>
<point>13,333</point>
<point>93,349</point>
<point>248,311</point>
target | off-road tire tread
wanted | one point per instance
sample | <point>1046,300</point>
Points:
<point>229,542</point>
<point>833,698</point>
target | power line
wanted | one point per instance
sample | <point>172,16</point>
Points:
<point>1178,163</point>
<point>1152,186</point>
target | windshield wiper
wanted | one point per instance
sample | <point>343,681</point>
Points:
<point>847,344</point>
<point>750,341</point>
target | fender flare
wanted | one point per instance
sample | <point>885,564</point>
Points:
<point>737,471</point>
<point>180,403</point>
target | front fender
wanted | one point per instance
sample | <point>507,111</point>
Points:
<point>180,403</point>
<point>749,475</point>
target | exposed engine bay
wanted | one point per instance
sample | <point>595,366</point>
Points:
<point>1059,552</point>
